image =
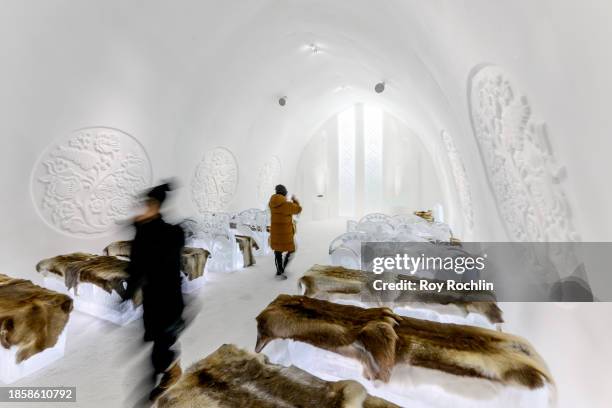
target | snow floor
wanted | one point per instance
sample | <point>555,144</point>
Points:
<point>106,362</point>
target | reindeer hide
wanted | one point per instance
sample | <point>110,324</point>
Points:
<point>31,318</point>
<point>193,260</point>
<point>107,272</point>
<point>58,264</point>
<point>333,282</point>
<point>367,335</point>
<point>246,244</point>
<point>380,339</point>
<point>233,378</point>
<point>118,248</point>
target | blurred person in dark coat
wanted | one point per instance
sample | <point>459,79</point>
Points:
<point>155,267</point>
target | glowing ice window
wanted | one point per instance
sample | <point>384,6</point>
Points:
<point>373,154</point>
<point>346,163</point>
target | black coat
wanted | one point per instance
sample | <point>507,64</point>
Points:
<point>155,266</point>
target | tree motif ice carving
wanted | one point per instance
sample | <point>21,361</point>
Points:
<point>268,177</point>
<point>461,179</point>
<point>215,180</point>
<point>87,182</point>
<point>521,167</point>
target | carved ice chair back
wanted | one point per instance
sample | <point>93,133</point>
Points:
<point>405,219</point>
<point>351,225</point>
<point>407,233</point>
<point>375,217</point>
<point>441,231</point>
<point>345,250</point>
<point>377,230</point>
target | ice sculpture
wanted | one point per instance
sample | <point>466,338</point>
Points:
<point>345,250</point>
<point>254,223</point>
<point>211,231</point>
<point>409,386</point>
<point>376,227</point>
<point>97,302</point>
<point>375,217</point>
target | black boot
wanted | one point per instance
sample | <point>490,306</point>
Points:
<point>169,378</point>
<point>278,261</point>
<point>286,261</point>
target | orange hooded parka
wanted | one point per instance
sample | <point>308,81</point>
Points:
<point>281,223</point>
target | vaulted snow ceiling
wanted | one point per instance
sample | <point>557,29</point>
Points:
<point>507,98</point>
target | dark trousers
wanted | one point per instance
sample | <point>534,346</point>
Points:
<point>163,355</point>
<point>281,263</point>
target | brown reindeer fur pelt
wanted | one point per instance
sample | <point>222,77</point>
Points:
<point>31,318</point>
<point>367,335</point>
<point>426,215</point>
<point>58,264</point>
<point>246,245</point>
<point>193,260</point>
<point>234,378</point>
<point>118,248</point>
<point>107,272</point>
<point>380,339</point>
<point>333,282</point>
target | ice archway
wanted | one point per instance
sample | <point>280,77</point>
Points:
<point>173,82</point>
<point>364,159</point>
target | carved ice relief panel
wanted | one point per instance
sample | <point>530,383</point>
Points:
<point>521,167</point>
<point>268,177</point>
<point>215,181</point>
<point>87,181</point>
<point>461,180</point>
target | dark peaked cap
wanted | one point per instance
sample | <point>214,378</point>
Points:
<point>159,192</point>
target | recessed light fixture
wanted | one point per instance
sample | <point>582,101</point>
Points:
<point>379,87</point>
<point>282,101</point>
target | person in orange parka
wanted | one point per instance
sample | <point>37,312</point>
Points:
<point>282,228</point>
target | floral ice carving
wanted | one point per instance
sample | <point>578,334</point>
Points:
<point>87,182</point>
<point>268,177</point>
<point>461,179</point>
<point>215,181</point>
<point>521,167</point>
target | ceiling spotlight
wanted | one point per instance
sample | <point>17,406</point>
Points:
<point>379,87</point>
<point>282,101</point>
